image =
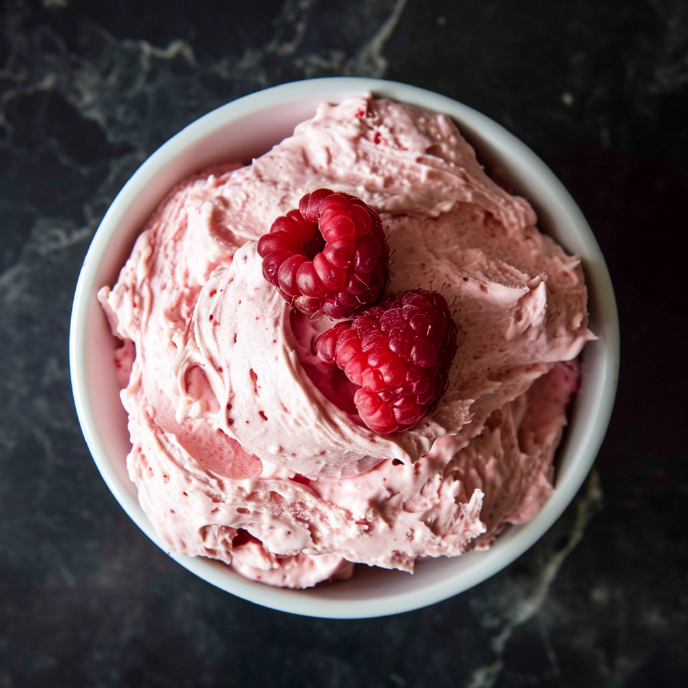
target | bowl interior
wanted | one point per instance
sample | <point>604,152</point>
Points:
<point>241,131</point>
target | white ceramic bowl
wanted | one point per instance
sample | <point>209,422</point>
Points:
<point>245,129</point>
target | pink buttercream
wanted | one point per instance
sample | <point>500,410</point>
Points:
<point>232,425</point>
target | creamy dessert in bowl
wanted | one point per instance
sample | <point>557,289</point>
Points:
<point>239,452</point>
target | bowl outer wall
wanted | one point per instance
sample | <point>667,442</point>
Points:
<point>246,128</point>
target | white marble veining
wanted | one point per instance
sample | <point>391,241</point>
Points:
<point>600,89</point>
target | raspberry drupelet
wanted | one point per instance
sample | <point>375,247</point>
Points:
<point>399,353</point>
<point>330,256</point>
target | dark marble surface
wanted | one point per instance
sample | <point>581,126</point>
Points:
<point>89,89</point>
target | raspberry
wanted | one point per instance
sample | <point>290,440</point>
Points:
<point>328,256</point>
<point>399,353</point>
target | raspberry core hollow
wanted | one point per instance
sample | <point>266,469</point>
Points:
<point>330,256</point>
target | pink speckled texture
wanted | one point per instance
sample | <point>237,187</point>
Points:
<point>223,415</point>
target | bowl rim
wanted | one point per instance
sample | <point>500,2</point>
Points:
<point>512,544</point>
